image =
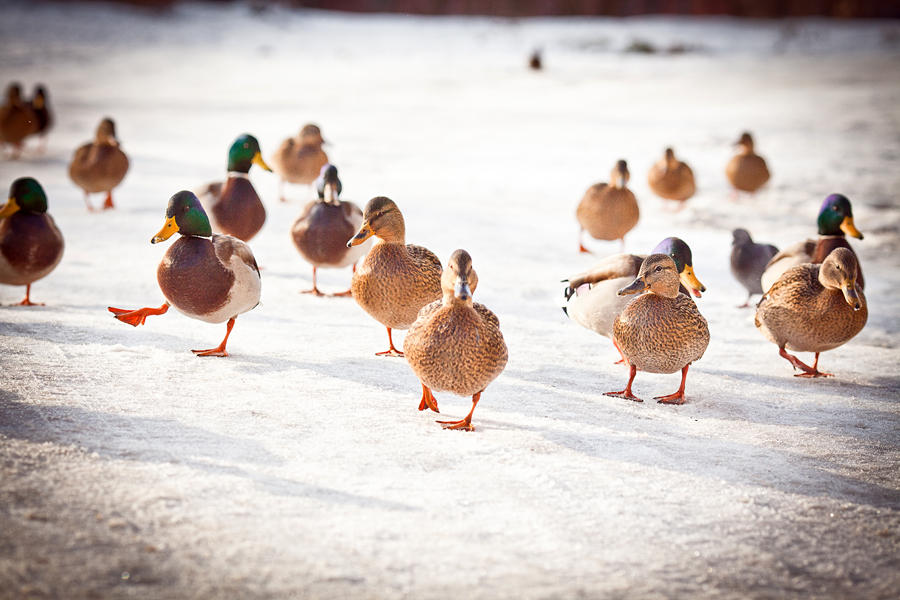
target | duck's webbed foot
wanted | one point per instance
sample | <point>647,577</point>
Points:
<point>626,393</point>
<point>428,400</point>
<point>807,371</point>
<point>466,423</point>
<point>137,317</point>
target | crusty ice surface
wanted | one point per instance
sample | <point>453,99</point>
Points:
<point>299,467</point>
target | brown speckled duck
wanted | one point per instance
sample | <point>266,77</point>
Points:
<point>99,166</point>
<point>322,231</point>
<point>396,279</point>
<point>300,159</point>
<point>747,171</point>
<point>814,308</point>
<point>204,275</point>
<point>608,211</point>
<point>30,243</point>
<point>455,345</point>
<point>661,331</point>
<point>17,119</point>
<point>233,206</point>
<point>671,179</point>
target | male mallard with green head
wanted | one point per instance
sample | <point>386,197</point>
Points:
<point>671,179</point>
<point>747,171</point>
<point>396,279</point>
<point>233,205</point>
<point>455,344</point>
<point>814,308</point>
<point>660,331</point>
<point>204,275</point>
<point>99,166</point>
<point>300,159</point>
<point>608,211</point>
<point>30,243</point>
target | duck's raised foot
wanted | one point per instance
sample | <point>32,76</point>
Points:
<point>137,317</point>
<point>626,394</point>
<point>676,398</point>
<point>464,424</point>
<point>428,400</point>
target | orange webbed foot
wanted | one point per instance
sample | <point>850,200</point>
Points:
<point>220,351</point>
<point>391,352</point>
<point>315,292</point>
<point>814,373</point>
<point>108,203</point>
<point>428,400</point>
<point>676,398</point>
<point>463,425</point>
<point>347,294</point>
<point>137,317</point>
<point>626,394</point>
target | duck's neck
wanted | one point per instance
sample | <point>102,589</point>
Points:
<point>238,175</point>
<point>450,300</point>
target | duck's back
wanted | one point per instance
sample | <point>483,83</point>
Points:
<point>98,168</point>
<point>747,172</point>
<point>661,335</point>
<point>236,209</point>
<point>321,233</point>
<point>607,212</point>
<point>30,247</point>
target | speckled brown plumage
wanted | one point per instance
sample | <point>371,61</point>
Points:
<point>747,171</point>
<point>234,207</point>
<point>31,246</point>
<point>192,277</point>
<point>299,159</point>
<point>17,119</point>
<point>671,179</point>
<point>609,211</point>
<point>100,165</point>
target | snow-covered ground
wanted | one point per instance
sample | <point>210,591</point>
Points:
<point>299,467</point>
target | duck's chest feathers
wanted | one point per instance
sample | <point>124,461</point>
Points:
<point>192,278</point>
<point>238,210</point>
<point>30,247</point>
<point>322,232</point>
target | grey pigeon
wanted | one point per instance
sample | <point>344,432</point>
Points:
<point>748,261</point>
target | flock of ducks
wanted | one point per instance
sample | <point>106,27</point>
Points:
<point>812,291</point>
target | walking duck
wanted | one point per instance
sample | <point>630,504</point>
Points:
<point>99,166</point>
<point>455,344</point>
<point>835,223</point>
<point>322,231</point>
<point>30,243</point>
<point>671,179</point>
<point>41,107</point>
<point>660,331</point>
<point>592,299</point>
<point>608,211</point>
<point>234,206</point>
<point>747,171</point>
<point>396,279</point>
<point>204,275</point>
<point>748,262</point>
<point>300,159</point>
<point>17,120</point>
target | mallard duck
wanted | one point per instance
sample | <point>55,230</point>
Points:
<point>535,63</point>
<point>748,261</point>
<point>814,308</point>
<point>396,279</point>
<point>17,119</point>
<point>321,233</point>
<point>204,275</point>
<point>455,344</point>
<point>99,166</point>
<point>234,206</point>
<point>747,171</point>
<point>300,159</point>
<point>30,243</point>
<point>660,331</point>
<point>835,223</point>
<point>671,179</point>
<point>608,211</point>
<point>41,107</point>
<point>592,299</point>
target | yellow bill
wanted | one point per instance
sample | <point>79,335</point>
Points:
<point>258,160</point>
<point>850,229</point>
<point>168,230</point>
<point>690,281</point>
<point>10,208</point>
<point>365,232</point>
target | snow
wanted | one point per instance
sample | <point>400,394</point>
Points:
<point>299,467</point>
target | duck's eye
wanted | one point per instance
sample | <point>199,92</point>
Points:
<point>658,268</point>
<point>834,207</point>
<point>246,144</point>
<point>185,208</point>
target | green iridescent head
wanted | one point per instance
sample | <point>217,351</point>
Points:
<point>836,217</point>
<point>680,252</point>
<point>184,215</point>
<point>244,153</point>
<point>25,194</point>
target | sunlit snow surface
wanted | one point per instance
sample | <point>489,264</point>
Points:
<point>299,467</point>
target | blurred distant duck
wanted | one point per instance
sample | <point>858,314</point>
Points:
<point>592,298</point>
<point>300,159</point>
<point>41,107</point>
<point>321,233</point>
<point>396,279</point>
<point>234,206</point>
<point>204,275</point>
<point>835,223</point>
<point>17,120</point>
<point>608,211</point>
<point>660,331</point>
<point>747,171</point>
<point>99,166</point>
<point>748,261</point>
<point>30,243</point>
<point>814,308</point>
<point>455,344</point>
<point>671,179</point>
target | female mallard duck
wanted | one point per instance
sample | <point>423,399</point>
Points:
<point>300,159</point>
<point>17,120</point>
<point>101,165</point>
<point>814,308</point>
<point>204,275</point>
<point>233,205</point>
<point>321,233</point>
<point>660,331</point>
<point>455,345</point>
<point>748,262</point>
<point>747,171</point>
<point>592,299</point>
<point>608,212</point>
<point>30,244</point>
<point>396,279</point>
<point>41,108</point>
<point>835,224</point>
<point>671,179</point>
